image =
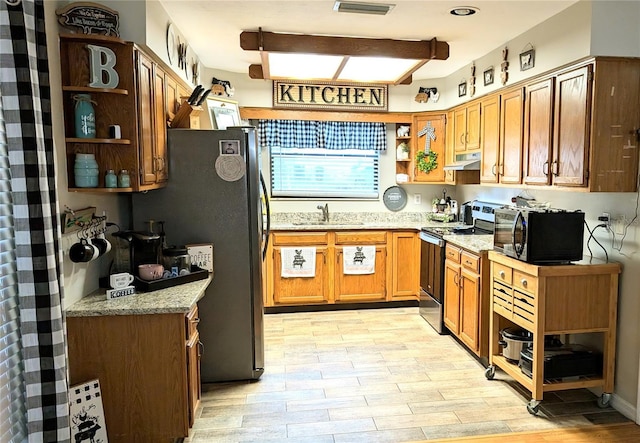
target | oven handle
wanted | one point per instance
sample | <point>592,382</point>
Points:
<point>431,239</point>
<point>518,250</point>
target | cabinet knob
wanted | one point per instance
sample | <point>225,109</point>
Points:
<point>502,274</point>
<point>524,282</point>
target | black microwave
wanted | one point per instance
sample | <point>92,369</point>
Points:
<point>539,236</point>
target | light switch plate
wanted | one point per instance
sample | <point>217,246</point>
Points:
<point>417,198</point>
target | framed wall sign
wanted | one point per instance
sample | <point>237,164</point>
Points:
<point>201,255</point>
<point>488,76</point>
<point>462,89</point>
<point>527,59</point>
<point>223,113</point>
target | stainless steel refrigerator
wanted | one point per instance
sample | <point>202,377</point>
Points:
<point>213,196</point>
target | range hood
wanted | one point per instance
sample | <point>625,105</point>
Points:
<point>464,165</point>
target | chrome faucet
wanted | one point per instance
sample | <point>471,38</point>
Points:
<point>325,212</point>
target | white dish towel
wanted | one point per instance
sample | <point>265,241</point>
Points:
<point>298,262</point>
<point>359,259</point>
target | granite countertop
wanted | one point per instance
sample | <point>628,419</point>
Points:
<point>174,300</point>
<point>311,221</point>
<point>474,243</point>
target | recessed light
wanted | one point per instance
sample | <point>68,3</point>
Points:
<point>463,11</point>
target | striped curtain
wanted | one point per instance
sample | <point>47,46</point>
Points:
<point>322,134</point>
<point>25,95</point>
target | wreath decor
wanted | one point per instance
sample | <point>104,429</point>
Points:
<point>427,162</point>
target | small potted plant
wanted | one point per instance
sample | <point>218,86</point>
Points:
<point>402,151</point>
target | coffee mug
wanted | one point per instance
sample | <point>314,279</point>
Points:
<point>83,251</point>
<point>101,243</point>
<point>121,280</point>
<point>150,272</point>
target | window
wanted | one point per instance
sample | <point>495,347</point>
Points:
<point>322,159</point>
<point>323,173</point>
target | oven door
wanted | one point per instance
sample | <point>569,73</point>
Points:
<point>508,232</point>
<point>432,281</point>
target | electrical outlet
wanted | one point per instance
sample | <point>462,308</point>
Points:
<point>417,198</point>
<point>606,219</point>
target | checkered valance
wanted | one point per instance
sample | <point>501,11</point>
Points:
<point>322,134</point>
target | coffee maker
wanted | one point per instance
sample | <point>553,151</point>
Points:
<point>133,248</point>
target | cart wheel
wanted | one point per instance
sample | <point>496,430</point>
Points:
<point>490,372</point>
<point>604,400</point>
<point>533,406</point>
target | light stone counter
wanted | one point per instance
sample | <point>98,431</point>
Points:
<point>311,221</point>
<point>474,243</point>
<point>174,300</point>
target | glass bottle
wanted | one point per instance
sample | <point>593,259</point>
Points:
<point>85,117</point>
<point>123,179</point>
<point>110,179</point>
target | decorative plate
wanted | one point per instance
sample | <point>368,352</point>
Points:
<point>395,198</point>
<point>172,45</point>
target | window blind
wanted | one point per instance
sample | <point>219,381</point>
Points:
<point>348,173</point>
<point>12,405</point>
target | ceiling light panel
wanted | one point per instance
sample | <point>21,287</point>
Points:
<point>376,69</point>
<point>363,7</point>
<point>303,66</point>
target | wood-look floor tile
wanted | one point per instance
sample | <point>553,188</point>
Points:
<point>474,392</point>
<point>479,415</point>
<point>220,421</point>
<point>322,383</point>
<point>208,411</point>
<point>465,430</point>
<point>368,411</point>
<point>386,436</point>
<point>416,420</point>
<point>394,378</point>
<point>390,398</point>
<point>439,405</point>
<point>331,427</point>
<point>284,418</point>
<point>240,434</point>
<point>285,395</point>
<point>536,423</point>
<point>361,390</point>
<point>327,403</point>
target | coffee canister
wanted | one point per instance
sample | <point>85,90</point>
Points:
<point>85,117</point>
<point>86,171</point>
<point>110,179</point>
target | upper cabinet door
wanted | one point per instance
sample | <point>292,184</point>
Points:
<point>472,137</point>
<point>436,144</point>
<point>571,127</point>
<point>146,116</point>
<point>160,125</point>
<point>490,139</point>
<point>538,132</point>
<point>511,129</point>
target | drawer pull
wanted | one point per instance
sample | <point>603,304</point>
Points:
<point>524,282</point>
<point>502,274</point>
<point>467,262</point>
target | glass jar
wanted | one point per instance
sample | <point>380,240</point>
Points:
<point>85,171</point>
<point>176,260</point>
<point>110,179</point>
<point>85,116</point>
<point>123,179</point>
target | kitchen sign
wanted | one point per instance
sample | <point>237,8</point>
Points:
<point>330,96</point>
<point>90,18</point>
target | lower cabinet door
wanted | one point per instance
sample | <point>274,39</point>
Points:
<point>452,296</point>
<point>353,288</point>
<point>470,309</point>
<point>301,290</point>
<point>194,347</point>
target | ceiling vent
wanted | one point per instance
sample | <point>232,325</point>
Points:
<point>363,8</point>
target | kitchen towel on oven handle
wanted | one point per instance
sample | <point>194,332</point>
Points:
<point>298,262</point>
<point>359,259</point>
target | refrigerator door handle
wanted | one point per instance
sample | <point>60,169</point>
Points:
<point>267,231</point>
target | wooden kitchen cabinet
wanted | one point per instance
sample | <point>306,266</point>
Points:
<point>553,300</point>
<point>403,166</point>
<point>354,288</point>
<point>138,105</point>
<point>490,138</point>
<point>453,177</point>
<point>420,123</point>
<point>466,132</point>
<point>148,367</point>
<point>466,301</point>
<point>509,167</point>
<point>300,290</point>
<point>405,265</point>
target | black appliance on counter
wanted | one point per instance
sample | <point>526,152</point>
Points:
<point>133,248</point>
<point>432,258</point>
<point>539,235</point>
<point>564,361</point>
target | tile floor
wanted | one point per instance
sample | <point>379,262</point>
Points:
<point>375,375</point>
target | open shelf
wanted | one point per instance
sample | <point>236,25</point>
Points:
<point>99,141</point>
<point>89,89</point>
<point>101,190</point>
